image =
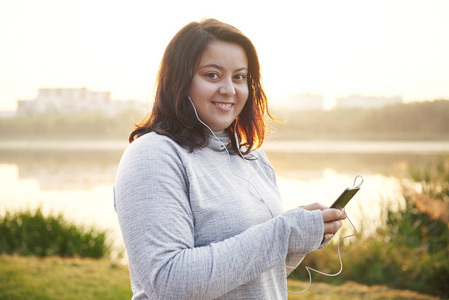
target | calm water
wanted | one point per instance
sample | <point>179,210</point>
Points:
<point>76,179</point>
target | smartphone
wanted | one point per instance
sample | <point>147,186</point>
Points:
<point>345,197</point>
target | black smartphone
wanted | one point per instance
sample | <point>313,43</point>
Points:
<point>345,197</point>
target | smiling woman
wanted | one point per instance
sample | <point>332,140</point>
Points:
<point>196,198</point>
<point>218,70</point>
<point>219,88</point>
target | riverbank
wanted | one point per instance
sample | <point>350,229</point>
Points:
<point>285,146</point>
<point>75,278</point>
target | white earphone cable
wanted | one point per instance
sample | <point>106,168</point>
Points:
<point>229,159</point>
<point>263,201</point>
<point>326,274</point>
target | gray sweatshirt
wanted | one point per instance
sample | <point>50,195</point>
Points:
<point>207,225</point>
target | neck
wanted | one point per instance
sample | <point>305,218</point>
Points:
<point>220,132</point>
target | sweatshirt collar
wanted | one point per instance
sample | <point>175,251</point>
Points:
<point>220,145</point>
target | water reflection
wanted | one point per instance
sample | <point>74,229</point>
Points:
<point>59,170</point>
<point>56,170</point>
<point>305,178</point>
<point>392,164</point>
<point>79,183</point>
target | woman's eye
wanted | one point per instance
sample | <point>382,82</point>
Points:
<point>212,75</point>
<point>240,77</point>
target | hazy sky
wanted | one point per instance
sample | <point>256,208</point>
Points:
<point>334,48</point>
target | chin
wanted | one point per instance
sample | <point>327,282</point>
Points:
<point>221,126</point>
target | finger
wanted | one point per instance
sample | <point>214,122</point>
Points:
<point>327,237</point>
<point>332,227</point>
<point>313,206</point>
<point>333,214</point>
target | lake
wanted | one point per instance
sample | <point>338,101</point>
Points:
<point>76,178</point>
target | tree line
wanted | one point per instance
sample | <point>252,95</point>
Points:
<point>79,125</point>
<point>411,121</point>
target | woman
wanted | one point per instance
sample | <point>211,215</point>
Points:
<point>196,198</point>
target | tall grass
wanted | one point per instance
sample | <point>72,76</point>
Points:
<point>32,233</point>
<point>410,250</point>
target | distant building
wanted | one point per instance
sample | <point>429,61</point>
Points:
<point>7,114</point>
<point>301,101</point>
<point>359,101</point>
<point>69,100</point>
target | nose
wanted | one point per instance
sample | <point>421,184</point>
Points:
<point>227,88</point>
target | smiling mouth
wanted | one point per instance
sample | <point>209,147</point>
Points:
<point>223,105</point>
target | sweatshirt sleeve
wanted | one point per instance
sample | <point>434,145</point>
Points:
<point>152,203</point>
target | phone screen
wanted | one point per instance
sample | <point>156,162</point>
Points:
<point>345,197</point>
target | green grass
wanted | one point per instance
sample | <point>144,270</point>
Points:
<point>350,290</point>
<point>57,278</point>
<point>49,278</point>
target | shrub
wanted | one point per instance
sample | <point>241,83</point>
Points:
<point>27,233</point>
<point>409,251</point>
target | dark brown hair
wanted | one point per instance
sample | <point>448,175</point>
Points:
<point>173,115</point>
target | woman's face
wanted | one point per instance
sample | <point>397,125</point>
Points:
<point>219,87</point>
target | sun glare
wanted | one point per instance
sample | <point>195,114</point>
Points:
<point>330,48</point>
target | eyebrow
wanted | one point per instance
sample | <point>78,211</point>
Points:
<point>221,68</point>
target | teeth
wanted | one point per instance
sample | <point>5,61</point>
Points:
<point>223,105</point>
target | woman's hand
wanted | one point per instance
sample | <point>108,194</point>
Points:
<point>332,218</point>
<point>314,206</point>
